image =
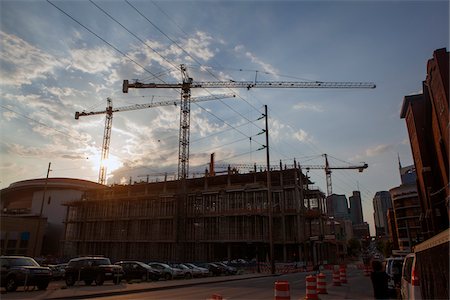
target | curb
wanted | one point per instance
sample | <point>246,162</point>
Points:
<point>150,289</point>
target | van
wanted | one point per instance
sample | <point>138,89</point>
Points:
<point>410,286</point>
<point>394,271</point>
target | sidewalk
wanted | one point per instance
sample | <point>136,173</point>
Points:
<point>84,292</point>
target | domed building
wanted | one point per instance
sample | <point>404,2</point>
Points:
<point>33,214</point>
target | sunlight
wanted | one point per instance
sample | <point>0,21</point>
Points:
<point>112,163</point>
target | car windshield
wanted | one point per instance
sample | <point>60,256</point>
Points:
<point>22,261</point>
<point>102,261</point>
<point>143,265</point>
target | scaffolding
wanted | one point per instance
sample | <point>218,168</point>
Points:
<point>220,217</point>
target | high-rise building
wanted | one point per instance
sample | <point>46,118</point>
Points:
<point>427,120</point>
<point>381,203</point>
<point>356,213</point>
<point>337,206</point>
<point>406,209</point>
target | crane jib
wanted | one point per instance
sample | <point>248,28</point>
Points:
<point>248,84</point>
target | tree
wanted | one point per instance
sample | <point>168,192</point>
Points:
<point>353,247</point>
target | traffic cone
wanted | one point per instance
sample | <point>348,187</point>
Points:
<point>282,290</point>
<point>311,288</point>
<point>366,271</point>
<point>322,284</point>
<point>343,275</point>
<point>336,278</point>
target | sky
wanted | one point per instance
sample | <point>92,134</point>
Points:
<point>59,57</point>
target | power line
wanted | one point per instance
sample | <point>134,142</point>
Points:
<point>181,48</point>
<point>102,39</point>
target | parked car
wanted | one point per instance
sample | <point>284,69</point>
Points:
<point>410,287</point>
<point>92,269</point>
<point>167,271</point>
<point>138,270</point>
<point>58,271</point>
<point>188,273</point>
<point>394,271</point>
<point>197,271</point>
<point>213,269</point>
<point>228,270</point>
<point>22,270</point>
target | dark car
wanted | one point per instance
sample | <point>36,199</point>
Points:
<point>23,271</point>
<point>226,269</point>
<point>92,269</point>
<point>214,269</point>
<point>138,270</point>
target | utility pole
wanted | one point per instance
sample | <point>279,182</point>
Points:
<point>269,197</point>
<point>36,240</point>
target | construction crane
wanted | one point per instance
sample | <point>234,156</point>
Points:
<point>108,122</point>
<point>325,167</point>
<point>328,169</point>
<point>188,83</point>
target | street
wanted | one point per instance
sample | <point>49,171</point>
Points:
<point>229,287</point>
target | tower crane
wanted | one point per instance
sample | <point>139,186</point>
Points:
<point>108,122</point>
<point>325,167</point>
<point>188,83</point>
<point>328,169</point>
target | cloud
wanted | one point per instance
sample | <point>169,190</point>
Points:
<point>308,107</point>
<point>9,115</point>
<point>93,61</point>
<point>265,66</point>
<point>22,63</point>
<point>198,46</point>
<point>301,135</point>
<point>377,150</point>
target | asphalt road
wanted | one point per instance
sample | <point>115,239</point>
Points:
<point>229,287</point>
<point>258,288</point>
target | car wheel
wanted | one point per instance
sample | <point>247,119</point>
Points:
<point>99,279</point>
<point>88,282</point>
<point>168,276</point>
<point>42,285</point>
<point>11,284</point>
<point>70,280</point>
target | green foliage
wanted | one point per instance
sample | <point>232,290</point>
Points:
<point>353,247</point>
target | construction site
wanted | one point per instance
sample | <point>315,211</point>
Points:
<point>265,215</point>
<point>219,217</point>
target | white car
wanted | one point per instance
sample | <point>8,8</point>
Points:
<point>410,287</point>
<point>167,271</point>
<point>187,272</point>
<point>198,271</point>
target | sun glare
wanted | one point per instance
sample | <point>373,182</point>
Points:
<point>112,163</point>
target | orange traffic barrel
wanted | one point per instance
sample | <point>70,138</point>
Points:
<point>282,290</point>
<point>311,288</point>
<point>366,271</point>
<point>343,275</point>
<point>322,284</point>
<point>336,278</point>
<point>216,297</point>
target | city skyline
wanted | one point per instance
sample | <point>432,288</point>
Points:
<point>53,66</point>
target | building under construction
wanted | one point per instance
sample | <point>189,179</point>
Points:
<point>210,218</point>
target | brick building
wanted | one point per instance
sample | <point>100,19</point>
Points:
<point>427,120</point>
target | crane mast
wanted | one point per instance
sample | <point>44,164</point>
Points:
<point>108,122</point>
<point>328,169</point>
<point>187,84</point>
<point>106,140</point>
